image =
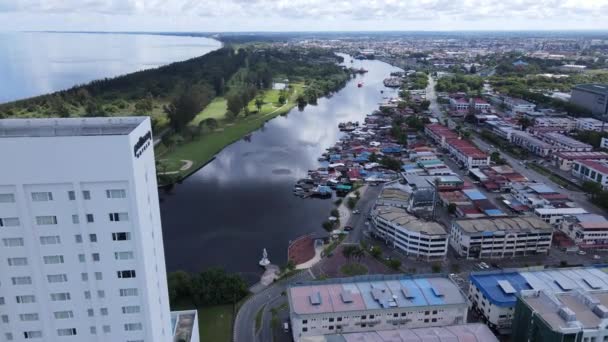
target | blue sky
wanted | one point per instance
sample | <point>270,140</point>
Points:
<point>302,15</point>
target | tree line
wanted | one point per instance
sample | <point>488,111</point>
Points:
<point>211,287</point>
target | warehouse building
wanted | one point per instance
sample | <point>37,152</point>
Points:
<point>565,160</point>
<point>586,230</point>
<point>500,237</point>
<point>374,303</point>
<point>593,97</point>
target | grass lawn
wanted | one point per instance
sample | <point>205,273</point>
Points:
<point>215,323</point>
<point>216,109</point>
<point>203,149</point>
<point>353,269</point>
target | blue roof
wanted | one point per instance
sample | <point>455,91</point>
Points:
<point>487,283</point>
<point>493,212</point>
<point>427,291</point>
<point>542,189</point>
<point>409,166</point>
<point>392,150</point>
<point>474,194</point>
<point>324,189</point>
<point>335,157</point>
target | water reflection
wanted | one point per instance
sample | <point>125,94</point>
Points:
<point>242,202</point>
<point>37,63</point>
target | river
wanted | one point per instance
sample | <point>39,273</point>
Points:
<point>36,63</point>
<point>227,212</point>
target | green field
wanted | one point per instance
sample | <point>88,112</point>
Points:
<point>204,148</point>
<point>216,110</point>
<point>215,323</point>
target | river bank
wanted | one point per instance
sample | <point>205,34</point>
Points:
<point>244,197</point>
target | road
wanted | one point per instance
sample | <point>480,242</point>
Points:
<point>431,95</point>
<point>364,205</point>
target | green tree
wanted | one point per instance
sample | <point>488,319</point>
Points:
<point>335,213</point>
<point>184,108</point>
<point>592,188</point>
<point>436,267</point>
<point>259,102</point>
<point>180,286</point>
<point>391,163</point>
<point>230,115</point>
<point>328,226</point>
<point>351,203</point>
<point>376,252</point>
<point>452,208</point>
<point>394,264</point>
<point>144,106</point>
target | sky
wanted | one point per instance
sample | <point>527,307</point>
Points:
<point>302,15</point>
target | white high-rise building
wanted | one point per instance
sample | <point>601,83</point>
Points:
<point>81,246</point>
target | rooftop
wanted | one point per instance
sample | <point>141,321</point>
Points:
<point>402,218</point>
<point>531,139</point>
<point>494,284</point>
<point>601,89</point>
<point>597,166</point>
<point>565,140</point>
<point>65,127</point>
<point>182,324</point>
<point>572,310</point>
<point>582,155</point>
<point>373,292</point>
<point>464,332</point>
<point>503,225</point>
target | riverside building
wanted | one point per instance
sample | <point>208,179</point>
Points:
<point>374,303</point>
<point>81,254</point>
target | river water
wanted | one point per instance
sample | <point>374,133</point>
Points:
<point>38,63</point>
<point>227,212</point>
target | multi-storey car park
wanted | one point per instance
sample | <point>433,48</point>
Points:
<point>493,294</point>
<point>373,303</point>
<point>81,254</point>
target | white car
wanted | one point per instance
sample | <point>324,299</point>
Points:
<point>484,265</point>
<point>596,257</point>
<point>356,212</point>
<point>582,253</point>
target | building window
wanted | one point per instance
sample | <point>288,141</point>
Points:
<point>57,278</point>
<point>13,242</point>
<point>86,194</point>
<point>78,238</point>
<point>90,218</point>
<point>93,237</point>
<point>71,195</point>
<point>22,280</point>
<point>101,294</point>
<point>116,193</point>
<point>130,309</point>
<point>304,329</point>
<point>66,332</point>
<point>42,196</point>
<point>17,261</point>
<point>121,236</point>
<point>81,258</point>
<point>128,274</point>
<point>63,314</point>
<point>7,198</point>
<point>2,301</point>
<point>63,296</point>
<point>53,259</point>
<point>117,217</point>
<point>103,311</point>
<point>98,276</point>
<point>84,276</point>
<point>9,222</point>
<point>25,299</point>
<point>90,312</point>
<point>87,294</point>
<point>29,317</point>
<point>4,319</point>
<point>32,334</point>
<point>133,326</point>
<point>75,219</point>
<point>46,220</point>
<point>123,255</point>
<point>95,257</point>
<point>93,330</point>
<point>128,292</point>
<point>50,240</point>
<point>106,329</point>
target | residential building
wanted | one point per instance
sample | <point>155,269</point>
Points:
<point>565,160</point>
<point>555,216</point>
<point>463,332</point>
<point>577,315</point>
<point>518,105</point>
<point>591,170</point>
<point>586,230</point>
<point>538,195</point>
<point>480,104</point>
<point>590,124</point>
<point>82,244</point>
<point>604,143</point>
<point>593,97</point>
<point>560,142</point>
<point>412,236</point>
<point>562,124</point>
<point>493,294</point>
<point>467,154</point>
<point>460,104</point>
<point>503,129</point>
<point>500,237</point>
<point>374,303</point>
<point>440,134</point>
<point>530,143</point>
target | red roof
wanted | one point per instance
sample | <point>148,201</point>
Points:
<point>442,131</point>
<point>466,148</point>
<point>480,101</point>
<point>602,168</point>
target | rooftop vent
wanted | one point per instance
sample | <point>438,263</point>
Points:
<point>437,292</point>
<point>601,311</point>
<point>567,314</point>
<point>593,283</point>
<point>407,294</point>
<point>346,296</point>
<point>315,298</point>
<point>506,287</point>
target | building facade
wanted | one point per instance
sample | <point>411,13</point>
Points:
<point>374,303</point>
<point>565,160</point>
<point>590,124</point>
<point>412,236</point>
<point>82,255</point>
<point>593,97</point>
<point>586,230</point>
<point>591,170</point>
<point>500,237</point>
<point>531,143</point>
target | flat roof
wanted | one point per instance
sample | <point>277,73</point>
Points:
<point>564,311</point>
<point>531,139</point>
<point>65,127</point>
<point>450,333</point>
<point>373,292</point>
<point>555,280</point>
<point>566,140</point>
<point>596,88</point>
<point>582,155</point>
<point>409,222</point>
<point>506,225</point>
<point>562,211</point>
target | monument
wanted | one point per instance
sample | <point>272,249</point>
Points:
<point>264,262</point>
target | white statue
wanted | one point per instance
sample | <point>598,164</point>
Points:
<point>264,262</point>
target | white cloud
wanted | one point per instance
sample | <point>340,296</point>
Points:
<point>321,14</point>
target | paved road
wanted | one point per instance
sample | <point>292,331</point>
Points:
<point>431,95</point>
<point>364,205</point>
<point>244,323</point>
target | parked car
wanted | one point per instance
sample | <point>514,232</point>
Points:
<point>286,326</point>
<point>582,253</point>
<point>348,228</point>
<point>356,212</point>
<point>484,265</point>
<point>596,257</point>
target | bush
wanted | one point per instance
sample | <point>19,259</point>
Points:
<point>351,203</point>
<point>436,268</point>
<point>376,252</point>
<point>394,264</point>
